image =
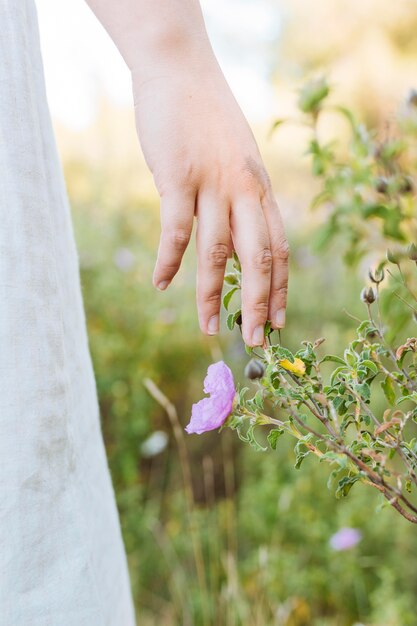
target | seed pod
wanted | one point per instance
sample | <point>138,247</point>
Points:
<point>254,369</point>
<point>368,296</point>
<point>377,276</point>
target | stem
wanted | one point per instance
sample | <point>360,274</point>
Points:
<point>170,410</point>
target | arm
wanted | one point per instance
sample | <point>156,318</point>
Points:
<point>204,160</point>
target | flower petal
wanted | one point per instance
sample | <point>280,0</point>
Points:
<point>210,413</point>
<point>298,367</point>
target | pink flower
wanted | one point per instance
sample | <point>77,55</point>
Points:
<point>210,413</point>
<point>345,538</point>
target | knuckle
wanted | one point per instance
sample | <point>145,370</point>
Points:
<point>213,299</point>
<point>173,180</point>
<point>260,308</point>
<point>168,268</point>
<point>218,254</point>
<point>282,292</point>
<point>179,239</point>
<point>254,175</point>
<point>283,249</point>
<point>263,260</point>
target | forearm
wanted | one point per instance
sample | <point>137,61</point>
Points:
<point>149,33</point>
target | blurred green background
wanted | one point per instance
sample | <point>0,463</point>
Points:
<point>258,528</point>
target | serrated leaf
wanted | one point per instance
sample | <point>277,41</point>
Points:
<point>273,437</point>
<point>250,437</point>
<point>301,450</point>
<point>345,484</point>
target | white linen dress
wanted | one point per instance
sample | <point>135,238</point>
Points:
<point>62,561</point>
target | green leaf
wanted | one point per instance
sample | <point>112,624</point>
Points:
<point>334,375</point>
<point>250,438</point>
<point>301,450</point>
<point>335,457</point>
<point>365,328</point>
<point>276,125</point>
<point>231,279</point>
<point>281,353</point>
<point>241,394</point>
<point>333,358</point>
<point>388,389</point>
<point>345,484</point>
<point>351,358</point>
<point>248,350</point>
<point>228,296</point>
<point>273,437</point>
<point>332,475</point>
<point>236,263</point>
<point>370,365</point>
<point>232,319</point>
<point>312,95</point>
<point>364,390</point>
<point>259,399</point>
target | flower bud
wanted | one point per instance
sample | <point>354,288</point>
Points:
<point>412,252</point>
<point>368,296</point>
<point>254,369</point>
<point>381,184</point>
<point>377,276</point>
<point>406,185</point>
<point>412,98</point>
<point>312,95</point>
<point>393,256</point>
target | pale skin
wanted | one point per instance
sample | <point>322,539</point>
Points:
<point>204,160</point>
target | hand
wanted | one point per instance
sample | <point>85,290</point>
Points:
<point>206,163</point>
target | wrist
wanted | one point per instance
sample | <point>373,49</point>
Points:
<point>172,56</point>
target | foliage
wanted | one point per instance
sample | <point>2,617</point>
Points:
<point>263,528</point>
<point>337,415</point>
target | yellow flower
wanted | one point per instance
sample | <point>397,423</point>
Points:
<point>298,367</point>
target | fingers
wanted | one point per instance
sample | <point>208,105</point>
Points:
<point>280,253</point>
<point>251,241</point>
<point>213,249</point>
<point>177,214</point>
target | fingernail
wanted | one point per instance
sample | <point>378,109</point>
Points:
<point>213,325</point>
<point>280,318</point>
<point>258,336</point>
<point>162,285</point>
